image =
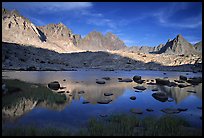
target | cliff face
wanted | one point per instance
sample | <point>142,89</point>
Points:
<point>16,28</point>
<point>96,41</point>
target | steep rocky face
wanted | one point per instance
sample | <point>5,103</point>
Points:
<point>145,49</point>
<point>198,46</point>
<point>178,46</point>
<point>96,41</point>
<point>16,28</point>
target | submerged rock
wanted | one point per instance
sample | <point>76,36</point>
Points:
<point>136,111</point>
<point>192,91</point>
<point>170,110</point>
<point>80,92</point>
<point>160,96</point>
<point>54,85</point>
<point>182,109</point>
<point>85,102</point>
<point>149,110</point>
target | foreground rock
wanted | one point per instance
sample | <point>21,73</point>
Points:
<point>181,77</point>
<point>136,78</point>
<point>160,96</point>
<point>54,85</point>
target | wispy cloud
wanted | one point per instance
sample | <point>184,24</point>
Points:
<point>164,17</point>
<point>102,22</point>
<point>50,6</point>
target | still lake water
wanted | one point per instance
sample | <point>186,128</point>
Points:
<point>75,114</point>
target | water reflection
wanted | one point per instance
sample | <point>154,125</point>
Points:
<point>86,81</point>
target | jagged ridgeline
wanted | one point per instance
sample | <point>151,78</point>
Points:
<point>57,37</point>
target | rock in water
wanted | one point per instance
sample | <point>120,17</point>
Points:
<point>126,80</point>
<point>108,94</point>
<point>162,82</point>
<point>160,96</point>
<point>132,97</point>
<point>54,85</point>
<point>136,78</point>
<point>181,77</point>
<point>140,88</point>
<point>104,101</point>
<point>100,82</point>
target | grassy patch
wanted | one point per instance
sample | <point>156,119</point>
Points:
<point>18,90</point>
<point>115,125</point>
<point>130,125</point>
<point>34,131</point>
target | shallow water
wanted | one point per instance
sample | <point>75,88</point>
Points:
<point>74,114</point>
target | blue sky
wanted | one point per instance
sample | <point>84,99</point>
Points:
<point>136,23</point>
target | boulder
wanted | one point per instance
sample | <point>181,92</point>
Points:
<point>140,88</point>
<point>104,101</point>
<point>108,94</point>
<point>136,78</point>
<point>182,85</point>
<point>195,80</point>
<point>140,81</point>
<point>160,96</point>
<point>106,78</point>
<point>54,85</point>
<point>162,82</point>
<point>126,80</point>
<point>181,77</point>
<point>100,82</point>
<point>132,97</point>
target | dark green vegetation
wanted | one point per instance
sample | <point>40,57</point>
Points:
<point>18,90</point>
<point>117,125</point>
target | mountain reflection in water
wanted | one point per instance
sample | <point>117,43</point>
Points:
<point>73,110</point>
